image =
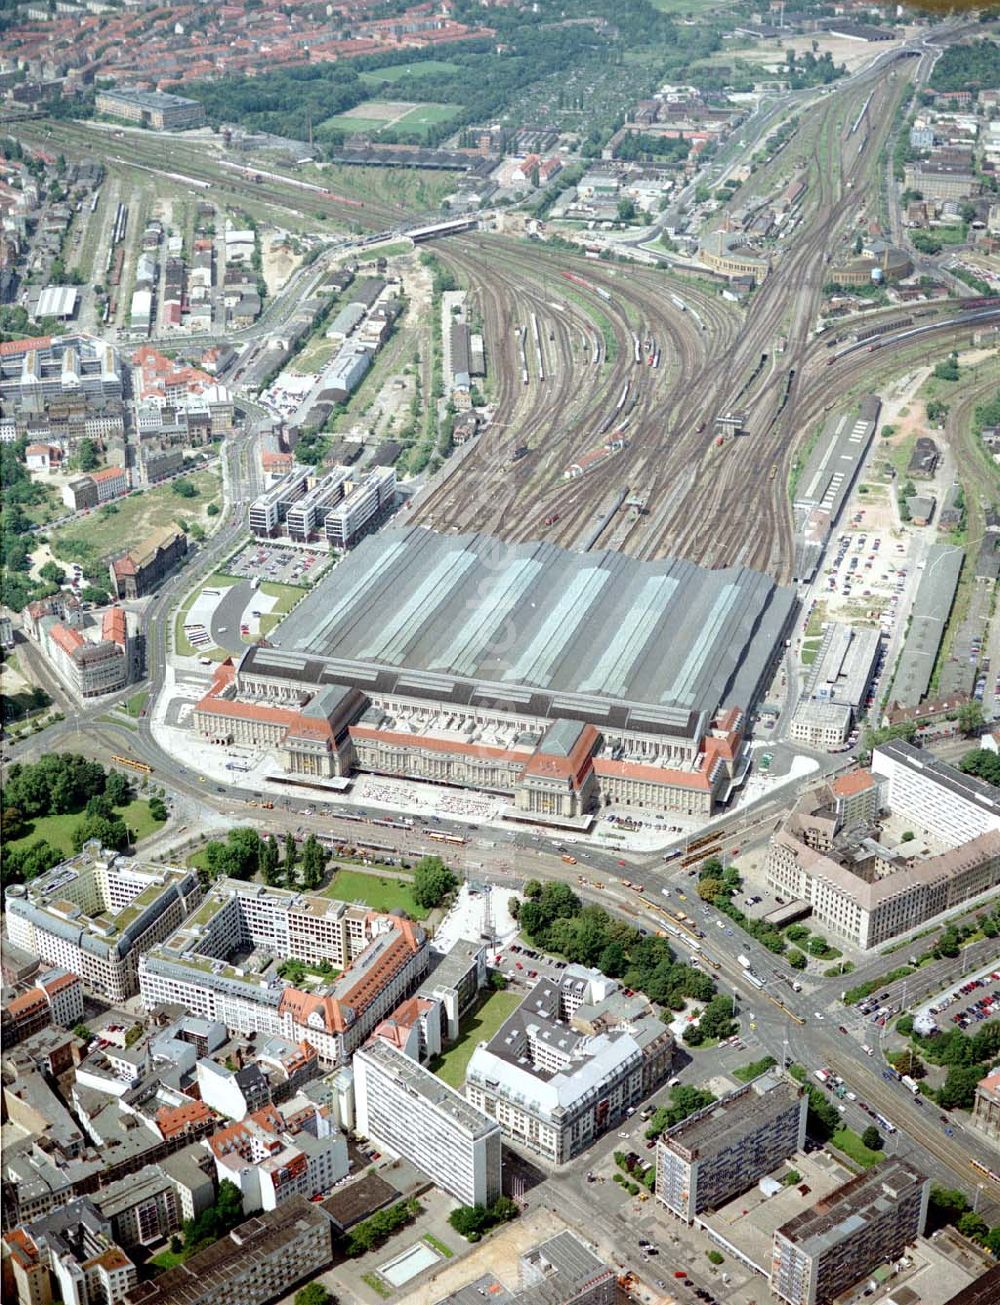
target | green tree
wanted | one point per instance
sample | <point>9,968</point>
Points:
<point>314,1294</point>
<point>117,789</point>
<point>111,833</point>
<point>613,960</point>
<point>872,1138</point>
<point>710,889</point>
<point>626,210</point>
<point>796,959</point>
<point>269,861</point>
<point>157,809</point>
<point>970,718</point>
<point>86,458</point>
<point>52,572</point>
<point>290,860</point>
<point>959,1088</point>
<point>314,859</point>
<point>432,881</point>
<point>944,1206</point>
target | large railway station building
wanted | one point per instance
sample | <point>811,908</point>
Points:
<point>565,681</point>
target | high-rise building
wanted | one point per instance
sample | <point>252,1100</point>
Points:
<point>720,1151</point>
<point>869,1220</point>
<point>406,1109</point>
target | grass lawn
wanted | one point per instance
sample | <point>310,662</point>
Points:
<point>167,1259</point>
<point>287,596</point>
<point>427,115</point>
<point>846,1140</point>
<point>381,892</point>
<point>412,188</point>
<point>477,1028</point>
<point>437,1245</point>
<point>103,533</point>
<point>315,355</point>
<point>182,645</point>
<point>385,251</point>
<point>397,71</point>
<point>58,830</point>
<point>134,706</point>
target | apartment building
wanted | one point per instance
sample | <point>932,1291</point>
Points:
<point>383,957</point>
<point>986,1109</point>
<point>569,1064</point>
<point>937,797</point>
<point>721,1151</point>
<point>142,1208</point>
<point>69,1255</point>
<point>869,1220</point>
<point>259,1261</point>
<point>404,1108</point>
<point>88,668</point>
<point>56,998</point>
<point>272,1159</point>
<point>97,913</point>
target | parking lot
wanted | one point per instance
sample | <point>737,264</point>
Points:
<point>976,999</point>
<point>278,562</point>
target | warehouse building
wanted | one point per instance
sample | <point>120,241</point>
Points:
<point>606,694</point>
<point>721,1151</point>
<point>837,685</point>
<point>96,913</point>
<point>929,617</point>
<point>867,1222</point>
<point>573,1061</point>
<point>404,1108</point>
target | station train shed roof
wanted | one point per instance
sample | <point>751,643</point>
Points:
<point>657,646</point>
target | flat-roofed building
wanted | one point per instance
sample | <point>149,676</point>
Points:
<point>724,1149</point>
<point>156,109</point>
<point>559,1271</point>
<point>404,1108</point>
<point>952,806</point>
<point>259,1261</point>
<point>867,1222</point>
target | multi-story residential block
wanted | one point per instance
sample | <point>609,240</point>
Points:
<point>572,1061</point>
<point>259,1261</point>
<point>140,570</point>
<point>69,1255</point>
<point>154,109</point>
<point>866,1222</point>
<point>96,913</point>
<point>404,1108</point>
<point>271,1159</point>
<point>56,998</point>
<point>142,1209</point>
<point>720,1151</point>
<point>383,958</point>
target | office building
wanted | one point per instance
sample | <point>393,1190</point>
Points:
<point>155,109</point>
<point>843,850</point>
<point>867,1222</point>
<point>270,510</point>
<point>365,501</point>
<point>721,1151</point>
<point>307,513</point>
<point>383,957</point>
<point>89,668</point>
<point>837,685</point>
<point>404,1108</point>
<point>138,571</point>
<point>95,914</point>
<point>45,370</point>
<point>259,1261</point>
<point>569,1064</point>
<point>951,806</point>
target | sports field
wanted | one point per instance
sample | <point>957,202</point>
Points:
<point>375,116</point>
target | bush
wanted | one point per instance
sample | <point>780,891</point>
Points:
<point>715,1257</point>
<point>371,1233</point>
<point>471,1221</point>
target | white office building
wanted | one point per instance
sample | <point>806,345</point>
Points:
<point>938,798</point>
<point>409,1111</point>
